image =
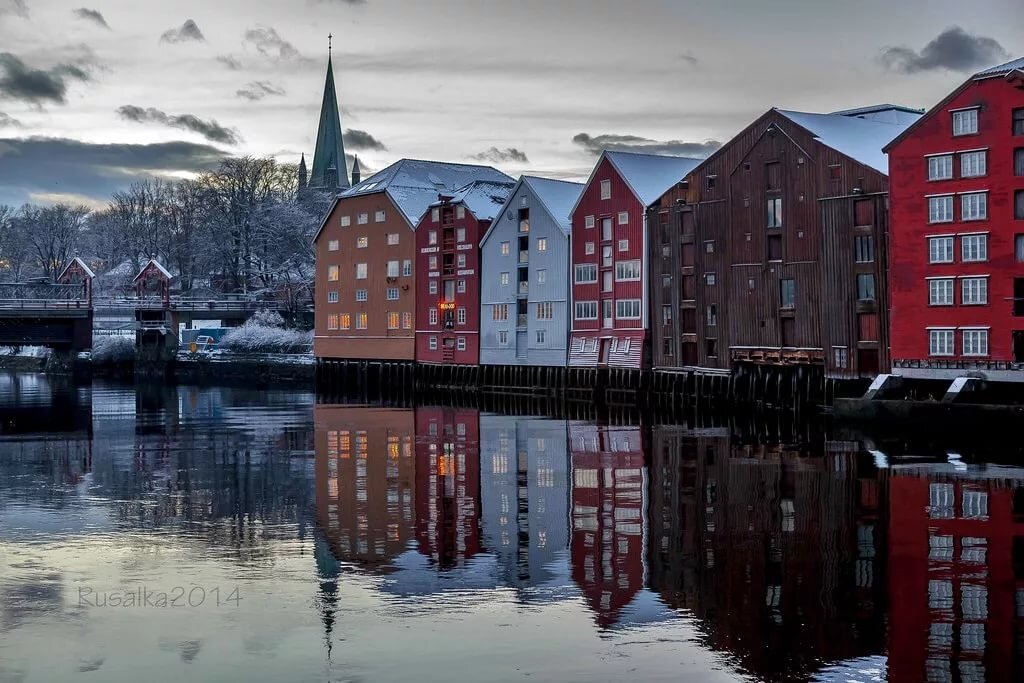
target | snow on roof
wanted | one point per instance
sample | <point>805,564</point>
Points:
<point>650,175</point>
<point>886,113</point>
<point>156,264</point>
<point>483,197</point>
<point>414,184</point>
<point>81,264</point>
<point>557,196</point>
<point>858,138</point>
<point>1001,68</point>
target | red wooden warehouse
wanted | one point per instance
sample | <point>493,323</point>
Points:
<point>448,268</point>
<point>609,258</point>
<point>956,261</point>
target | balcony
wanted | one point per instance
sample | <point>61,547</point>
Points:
<point>448,245</point>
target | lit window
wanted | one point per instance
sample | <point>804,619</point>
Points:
<point>973,164</point>
<point>392,321</point>
<point>332,297</point>
<point>940,342</point>
<point>626,271</point>
<point>940,209</point>
<point>623,245</point>
<point>623,217</point>
<point>542,244</point>
<point>940,167</point>
<point>460,233</point>
<point>433,315</point>
<point>392,294</point>
<point>346,321</point>
<point>407,321</point>
<point>379,216</point>
<point>965,122</point>
<point>360,271</point>
<point>461,344</point>
<point>332,273</point>
<point>346,221</point>
<point>506,248</point>
<point>392,238</point>
<point>361,295</point>
<point>542,276</point>
<point>362,242</point>
<point>432,343</point>
<point>974,206</point>
<point>361,321</point>
<point>974,247</point>
<point>503,279</point>
<point>974,291</point>
<point>975,342</point>
<point>940,292</point>
<point>332,245</point>
<point>588,222</point>
<point>392,268</point>
<point>460,212</point>
<point>606,189</point>
<point>332,322</point>
<point>407,267</point>
<point>940,249</point>
<point>586,273</point>
<point>588,248</point>
<point>627,309</point>
<point>363,218</point>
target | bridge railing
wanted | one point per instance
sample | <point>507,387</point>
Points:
<point>36,296</point>
<point>187,304</point>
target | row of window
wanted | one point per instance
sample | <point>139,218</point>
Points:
<point>343,321</point>
<point>625,309</point>
<point>973,164</point>
<point>460,316</point>
<point>362,242</point>
<point>460,236</point>
<point>973,291</point>
<point>459,343</point>
<point>542,245</point>
<point>710,315</point>
<point>606,222</point>
<point>973,207</point>
<point>973,248</point>
<point>974,341</point>
<point>391,294</point>
<point>606,251</point>
<point>544,310</point>
<point>435,213</point>
<point>394,269</point>
<point>965,121</point>
<point>625,271</point>
<point>460,261</point>
<point>379,216</point>
<point>540,336</point>
<point>459,286</point>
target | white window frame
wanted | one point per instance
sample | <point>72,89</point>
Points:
<point>503,337</point>
<point>974,163</point>
<point>363,218</point>
<point>393,238</point>
<point>941,248</point>
<point>362,321</point>
<point>623,245</point>
<point>333,245</point>
<point>940,209</point>
<point>974,206</point>
<point>542,276</point>
<point>460,343</point>
<point>940,291</point>
<point>606,189</point>
<point>432,315</point>
<point>432,343</point>
<point>432,286</point>
<point>503,279</point>
<point>432,237</point>
<point>407,267</point>
<point>545,310</point>
<point>942,341</point>
<point>362,242</point>
<point>435,215</point>
<point>460,261</point>
<point>542,244</point>
<point>940,167</point>
<point>362,295</point>
<point>588,248</point>
<point>624,309</point>
<point>623,218</point>
<point>460,286</point>
<point>589,222</point>
<point>346,221</point>
<point>499,312</point>
<point>460,212</point>
<point>379,216</point>
<point>460,233</point>
<point>541,337</point>
<point>965,121</point>
<point>628,271</point>
<point>974,341</point>
<point>361,271</point>
<point>974,248</point>
<point>333,297</point>
<point>333,273</point>
<point>974,291</point>
<point>460,315</point>
<point>585,269</point>
<point>394,268</point>
<point>585,310</point>
<point>392,294</point>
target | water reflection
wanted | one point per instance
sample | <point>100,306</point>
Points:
<point>373,543</point>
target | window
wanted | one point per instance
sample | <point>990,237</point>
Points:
<point>1018,247</point>
<point>542,276</point>
<point>461,344</point>
<point>606,189</point>
<point>940,249</point>
<point>332,245</point>
<point>775,212</point>
<point>709,247</point>
<point>432,287</point>
<point>711,348</point>
<point>588,248</point>
<point>975,342</point>
<point>1018,121</point>
<point>840,356</point>
<point>588,222</point>
<point>379,216</point>
<point>360,295</point>
<point>361,321</point>
<point>407,267</point>
<point>710,181</point>
<point>435,214</point>
<point>392,321</point>
<point>449,290</point>
<point>362,242</point>
<point>332,273</point>
<point>586,310</point>
<point>940,209</point>
<point>973,164</point>
<point>460,286</point>
<point>432,315</point>
<point>460,233</point>
<point>407,321</point>
<point>627,309</point>
<point>332,322</point>
<point>974,247</point>
<point>346,221</point>
<point>541,336</point>
<point>787,293</point>
<point>864,248</point>
<point>974,206</point>
<point>1018,205</point>
<point>623,245</point>
<point>506,248</point>
<point>606,229</point>
<point>503,337</point>
<point>710,279</point>
<point>666,315</point>
<point>460,316</point>
<point>503,279</point>
<point>332,297</point>
<point>865,287</point>
<point>392,238</point>
<point>940,342</point>
<point>711,315</point>
<point>499,312</point>
<point>363,218</point>
<point>432,237</point>
<point>392,268</point>
<point>974,506</point>
<point>626,271</point>
<point>974,291</point>
<point>432,343</point>
<point>586,273</point>
<point>392,294</point>
<point>346,321</point>
<point>460,212</point>
<point>360,271</point>
<point>940,292</point>
<point>545,310</point>
<point>623,217</point>
<point>965,122</point>
<point>542,244</point>
<point>432,263</point>
<point>940,167</point>
<point>461,260</point>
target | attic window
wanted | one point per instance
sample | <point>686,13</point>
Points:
<point>711,181</point>
<point>522,200</point>
<point>746,166</point>
<point>606,189</point>
<point>460,211</point>
<point>835,172</point>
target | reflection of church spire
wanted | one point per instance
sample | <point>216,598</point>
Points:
<point>327,570</point>
<point>330,171</point>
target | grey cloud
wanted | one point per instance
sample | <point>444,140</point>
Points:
<point>634,143</point>
<point>230,62</point>
<point>498,156</point>
<point>257,90</point>
<point>16,7</point>
<point>18,81</point>
<point>360,139</point>
<point>953,49</point>
<point>8,121</point>
<point>341,2</point>
<point>689,59</point>
<point>91,15</point>
<point>268,43</point>
<point>186,32</point>
<point>39,165</point>
<point>211,130</point>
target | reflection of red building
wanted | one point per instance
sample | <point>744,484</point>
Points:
<point>956,578</point>
<point>448,484</point>
<point>364,481</point>
<point>609,502</point>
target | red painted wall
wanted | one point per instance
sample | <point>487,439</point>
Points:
<point>908,248</point>
<point>469,300</point>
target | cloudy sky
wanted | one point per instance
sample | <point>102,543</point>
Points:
<point>94,95</point>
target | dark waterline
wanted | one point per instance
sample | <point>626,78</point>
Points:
<point>214,533</point>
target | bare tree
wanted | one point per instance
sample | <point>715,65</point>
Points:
<point>15,256</point>
<point>52,233</point>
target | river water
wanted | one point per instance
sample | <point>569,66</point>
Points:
<point>187,533</point>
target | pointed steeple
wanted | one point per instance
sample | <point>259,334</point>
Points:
<point>356,175</point>
<point>303,175</point>
<point>330,171</point>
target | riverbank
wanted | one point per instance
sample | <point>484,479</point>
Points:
<point>257,368</point>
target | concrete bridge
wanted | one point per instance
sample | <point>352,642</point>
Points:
<point>55,315</point>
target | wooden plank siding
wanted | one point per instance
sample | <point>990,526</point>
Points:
<point>726,200</point>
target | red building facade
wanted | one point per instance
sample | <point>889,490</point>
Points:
<point>609,263</point>
<point>956,261</point>
<point>448,263</point>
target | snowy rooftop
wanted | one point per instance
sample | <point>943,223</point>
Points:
<point>861,139</point>
<point>1001,69</point>
<point>414,184</point>
<point>886,113</point>
<point>483,197</point>
<point>650,175</point>
<point>558,196</point>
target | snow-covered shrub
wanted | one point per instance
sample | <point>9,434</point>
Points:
<point>266,318</point>
<point>250,338</point>
<point>113,349</point>
<point>25,351</point>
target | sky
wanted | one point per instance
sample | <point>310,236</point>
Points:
<point>96,95</point>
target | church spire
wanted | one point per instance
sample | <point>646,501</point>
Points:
<point>356,173</point>
<point>303,174</point>
<point>330,170</point>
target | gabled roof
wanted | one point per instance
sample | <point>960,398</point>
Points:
<point>648,175</point>
<point>886,113</point>
<point>860,139</point>
<point>86,269</point>
<point>483,197</point>
<point>156,264</point>
<point>1001,69</point>
<point>556,197</point>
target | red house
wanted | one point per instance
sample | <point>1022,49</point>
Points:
<point>610,324</point>
<point>448,261</point>
<point>956,257</point>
